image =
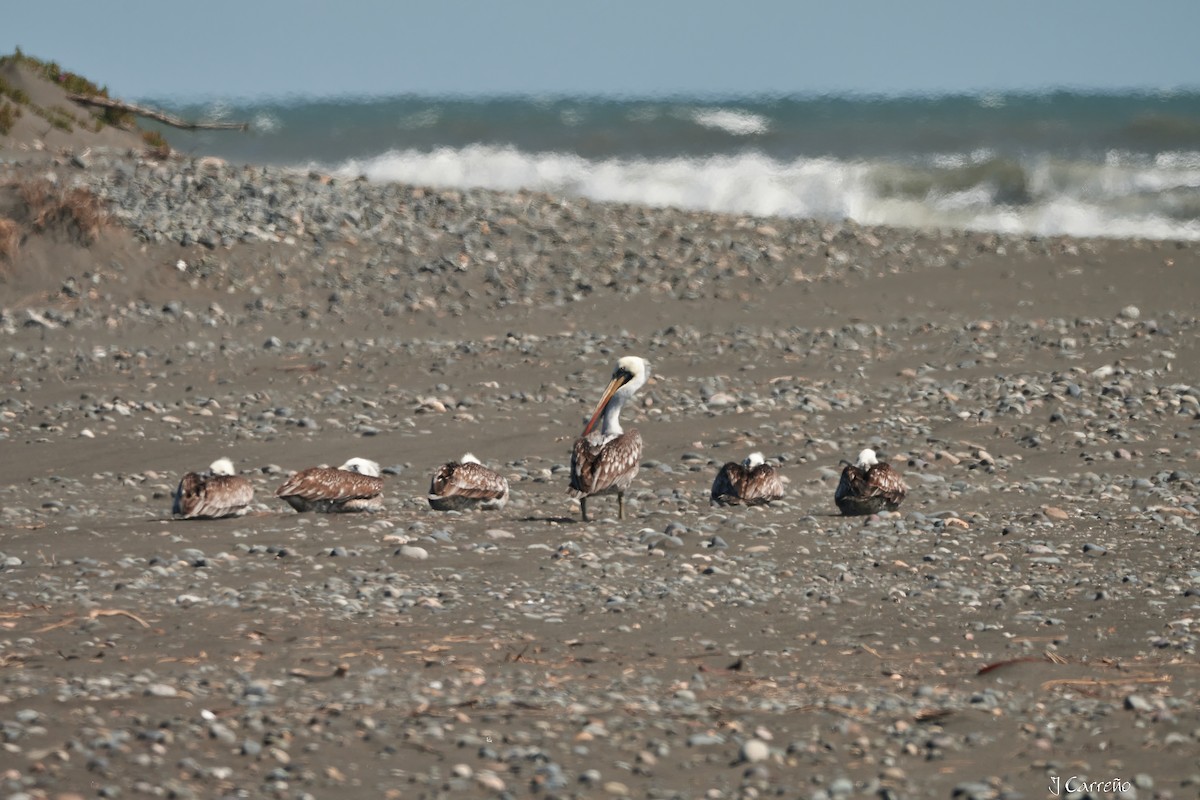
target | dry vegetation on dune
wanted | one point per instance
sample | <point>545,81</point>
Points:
<point>10,240</point>
<point>74,215</point>
<point>69,82</point>
<point>46,107</point>
<point>9,114</point>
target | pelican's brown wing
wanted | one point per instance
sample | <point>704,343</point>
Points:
<point>598,467</point>
<point>200,497</point>
<point>736,484</point>
<point>727,486</point>
<point>886,483</point>
<point>762,484</point>
<point>324,483</point>
<point>187,494</point>
<point>852,485</point>
<point>869,491</point>
<point>470,481</point>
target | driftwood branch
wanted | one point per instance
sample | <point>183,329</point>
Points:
<point>155,114</point>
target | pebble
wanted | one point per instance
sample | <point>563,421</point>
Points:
<point>413,552</point>
<point>755,751</point>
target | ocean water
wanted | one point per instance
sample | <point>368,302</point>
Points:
<point>1120,165</point>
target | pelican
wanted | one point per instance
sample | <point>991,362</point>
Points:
<point>214,493</point>
<point>753,482</point>
<point>605,459</point>
<point>466,483</point>
<point>354,486</point>
<point>869,486</point>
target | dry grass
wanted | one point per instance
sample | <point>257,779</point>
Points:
<point>10,240</point>
<point>41,206</point>
<point>75,213</point>
<point>9,114</point>
<point>157,145</point>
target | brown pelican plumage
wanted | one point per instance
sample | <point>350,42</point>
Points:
<point>465,484</point>
<point>752,482</point>
<point>605,459</point>
<point>354,486</point>
<point>869,486</point>
<point>216,492</point>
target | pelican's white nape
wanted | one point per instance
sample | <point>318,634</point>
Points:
<point>222,466</point>
<point>867,459</point>
<point>362,466</point>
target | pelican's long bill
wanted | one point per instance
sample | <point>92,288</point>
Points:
<point>621,378</point>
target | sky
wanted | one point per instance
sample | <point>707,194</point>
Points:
<point>256,48</point>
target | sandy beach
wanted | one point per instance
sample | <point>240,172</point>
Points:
<point>1029,614</point>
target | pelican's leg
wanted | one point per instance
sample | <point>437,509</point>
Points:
<point>620,505</point>
<point>583,507</point>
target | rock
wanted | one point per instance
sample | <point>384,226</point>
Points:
<point>754,751</point>
<point>1055,513</point>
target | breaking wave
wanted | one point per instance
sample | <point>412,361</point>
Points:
<point>738,123</point>
<point>1121,197</point>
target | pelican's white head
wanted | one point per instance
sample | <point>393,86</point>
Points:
<point>468,458</point>
<point>222,466</point>
<point>754,460</point>
<point>630,375</point>
<point>867,459</point>
<point>362,466</point>
<point>633,370</point>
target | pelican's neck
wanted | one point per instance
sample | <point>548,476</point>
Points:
<point>610,420</point>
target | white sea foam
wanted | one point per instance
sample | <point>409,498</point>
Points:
<point>1074,199</point>
<point>739,123</point>
<point>266,123</point>
<point>1187,159</point>
<point>218,110</point>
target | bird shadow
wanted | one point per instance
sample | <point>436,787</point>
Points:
<point>559,520</point>
<point>247,515</point>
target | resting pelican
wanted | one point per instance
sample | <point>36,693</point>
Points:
<point>466,483</point>
<point>753,482</point>
<point>605,459</point>
<point>869,486</point>
<point>216,492</point>
<point>354,486</point>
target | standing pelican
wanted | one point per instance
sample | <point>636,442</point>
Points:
<point>217,492</point>
<point>869,486</point>
<point>354,486</point>
<point>464,484</point>
<point>605,459</point>
<point>753,482</point>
